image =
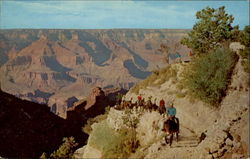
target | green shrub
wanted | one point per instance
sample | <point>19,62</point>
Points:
<point>180,95</point>
<point>245,54</point>
<point>208,76</point>
<point>66,150</point>
<point>104,138</point>
<point>113,144</point>
<point>129,120</point>
<point>244,36</point>
<point>87,127</point>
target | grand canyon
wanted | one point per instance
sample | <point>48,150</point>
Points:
<point>124,79</point>
<point>45,65</point>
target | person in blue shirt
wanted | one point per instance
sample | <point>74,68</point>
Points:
<point>171,113</point>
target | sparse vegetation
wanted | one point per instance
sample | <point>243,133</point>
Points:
<point>130,120</point>
<point>43,156</point>
<point>245,36</point>
<point>66,150</point>
<point>156,78</point>
<point>113,144</point>
<point>245,54</point>
<point>208,76</point>
<point>87,127</point>
<point>164,49</point>
<point>116,143</point>
<point>180,95</point>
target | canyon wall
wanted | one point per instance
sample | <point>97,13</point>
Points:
<point>53,66</point>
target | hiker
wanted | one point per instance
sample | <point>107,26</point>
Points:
<point>130,103</point>
<point>190,54</point>
<point>162,108</point>
<point>171,113</point>
<point>149,104</point>
<point>142,104</point>
<point>139,100</point>
<point>118,98</point>
<point>154,106</point>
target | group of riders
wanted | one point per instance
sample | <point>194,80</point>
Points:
<point>167,110</point>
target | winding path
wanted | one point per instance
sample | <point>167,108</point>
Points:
<point>181,149</point>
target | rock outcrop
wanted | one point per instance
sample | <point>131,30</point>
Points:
<point>94,105</point>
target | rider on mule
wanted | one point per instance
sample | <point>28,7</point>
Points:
<point>149,104</point>
<point>171,112</point>
<point>139,100</point>
<point>119,98</point>
<point>162,108</point>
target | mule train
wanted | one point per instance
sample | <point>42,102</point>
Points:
<point>171,124</point>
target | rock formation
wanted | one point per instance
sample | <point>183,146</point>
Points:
<point>59,61</point>
<point>94,105</point>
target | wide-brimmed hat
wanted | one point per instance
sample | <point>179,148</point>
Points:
<point>170,103</point>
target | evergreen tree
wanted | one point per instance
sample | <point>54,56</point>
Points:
<point>66,150</point>
<point>212,30</point>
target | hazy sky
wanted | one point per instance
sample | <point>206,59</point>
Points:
<point>84,14</point>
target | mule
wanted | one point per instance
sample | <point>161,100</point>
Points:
<point>149,105</point>
<point>171,127</point>
<point>162,109</point>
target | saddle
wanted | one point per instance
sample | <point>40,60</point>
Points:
<point>173,123</point>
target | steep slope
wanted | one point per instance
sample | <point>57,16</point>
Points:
<point>226,128</point>
<point>205,132</point>
<point>29,129</point>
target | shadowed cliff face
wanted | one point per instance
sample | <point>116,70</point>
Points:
<point>59,61</point>
<point>135,71</point>
<point>29,129</point>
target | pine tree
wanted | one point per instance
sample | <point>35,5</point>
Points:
<point>66,149</point>
<point>212,30</point>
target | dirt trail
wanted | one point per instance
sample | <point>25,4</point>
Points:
<point>186,139</point>
<point>186,144</point>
